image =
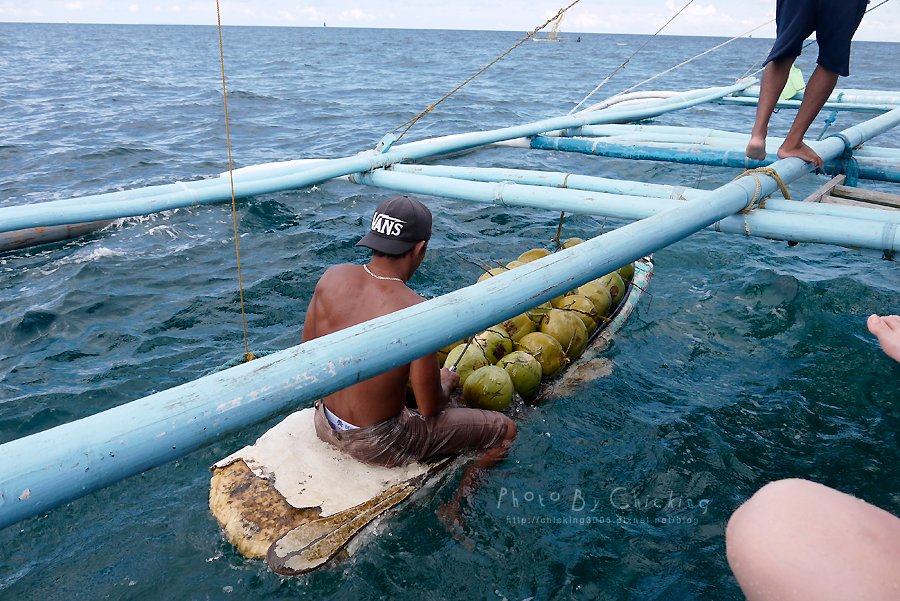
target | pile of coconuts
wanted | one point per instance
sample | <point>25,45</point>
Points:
<point>513,357</point>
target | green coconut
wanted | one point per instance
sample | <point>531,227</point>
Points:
<point>489,388</point>
<point>537,314</point>
<point>525,373</point>
<point>616,286</point>
<point>584,309</point>
<point>492,272</point>
<point>533,255</point>
<point>572,242</point>
<point>559,301</point>
<point>495,343</point>
<point>599,295</point>
<point>569,331</point>
<point>518,326</point>
<point>471,360</point>
<point>442,353</point>
<point>627,272</point>
<point>546,350</point>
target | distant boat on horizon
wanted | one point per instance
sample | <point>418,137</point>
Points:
<point>553,36</point>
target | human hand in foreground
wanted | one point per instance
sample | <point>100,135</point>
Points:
<point>887,330</point>
<point>449,380</point>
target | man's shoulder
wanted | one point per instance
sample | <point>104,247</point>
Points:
<point>342,270</point>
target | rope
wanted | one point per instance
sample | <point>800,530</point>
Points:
<point>408,124</point>
<point>831,118</point>
<point>248,356</point>
<point>562,216</point>
<point>755,173</point>
<point>693,58</point>
<point>627,60</point>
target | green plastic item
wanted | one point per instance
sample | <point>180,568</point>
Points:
<point>795,84</point>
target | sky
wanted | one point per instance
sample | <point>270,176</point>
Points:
<point>724,18</point>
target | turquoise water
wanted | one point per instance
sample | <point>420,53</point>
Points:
<point>750,363</point>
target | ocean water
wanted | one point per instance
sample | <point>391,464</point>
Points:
<point>751,361</point>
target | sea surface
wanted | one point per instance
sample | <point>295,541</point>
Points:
<point>749,361</point>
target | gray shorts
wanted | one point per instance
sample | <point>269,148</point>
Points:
<point>410,437</point>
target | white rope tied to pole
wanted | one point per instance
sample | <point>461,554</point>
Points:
<point>693,58</point>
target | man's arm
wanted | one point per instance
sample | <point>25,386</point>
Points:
<point>309,324</point>
<point>431,386</point>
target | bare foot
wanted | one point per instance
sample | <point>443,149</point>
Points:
<point>756,149</point>
<point>887,330</point>
<point>801,152</point>
<point>450,515</point>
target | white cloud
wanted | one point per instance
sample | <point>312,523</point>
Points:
<point>12,11</point>
<point>356,15</point>
<point>722,18</point>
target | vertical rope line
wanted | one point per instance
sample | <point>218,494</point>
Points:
<point>248,356</point>
<point>627,60</point>
<point>408,124</point>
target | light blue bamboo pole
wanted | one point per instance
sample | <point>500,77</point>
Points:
<point>686,141</point>
<point>49,468</point>
<point>671,133</point>
<point>882,234</point>
<point>857,107</point>
<point>868,168</point>
<point>629,188</point>
<point>182,194</point>
<point>846,95</point>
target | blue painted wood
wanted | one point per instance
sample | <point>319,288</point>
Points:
<point>634,190</point>
<point>130,203</point>
<point>868,168</point>
<point>879,232</point>
<point>49,468</point>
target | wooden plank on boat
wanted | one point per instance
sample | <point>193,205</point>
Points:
<point>838,200</point>
<point>867,196</point>
<point>826,188</point>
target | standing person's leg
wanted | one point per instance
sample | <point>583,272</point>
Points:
<point>774,79</point>
<point>836,23</point>
<point>796,540</point>
<point>818,89</point>
<point>796,22</point>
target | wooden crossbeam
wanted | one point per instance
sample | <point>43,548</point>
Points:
<point>838,200</point>
<point>867,196</point>
<point>826,189</point>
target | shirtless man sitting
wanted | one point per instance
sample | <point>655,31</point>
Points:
<point>369,420</point>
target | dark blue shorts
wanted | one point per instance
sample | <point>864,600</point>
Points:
<point>834,21</point>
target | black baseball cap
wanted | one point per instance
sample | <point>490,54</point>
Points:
<point>398,223</point>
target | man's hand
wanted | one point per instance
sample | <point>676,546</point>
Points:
<point>449,381</point>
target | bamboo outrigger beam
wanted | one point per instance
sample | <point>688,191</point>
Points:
<point>638,190</point>
<point>130,203</point>
<point>49,468</point>
<point>870,169</point>
<point>867,228</point>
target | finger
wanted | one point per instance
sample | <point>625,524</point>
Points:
<point>876,324</point>
<point>892,322</point>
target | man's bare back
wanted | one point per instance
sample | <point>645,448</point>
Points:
<point>347,295</point>
<point>369,420</point>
